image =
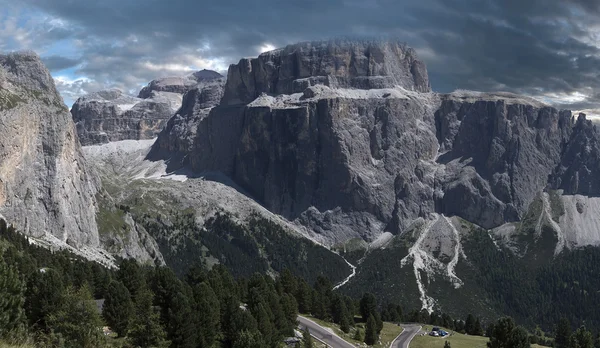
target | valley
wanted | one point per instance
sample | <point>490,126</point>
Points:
<point>332,162</point>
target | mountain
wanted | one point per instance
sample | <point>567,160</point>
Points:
<point>111,115</point>
<point>327,158</point>
<point>345,140</point>
<point>47,190</point>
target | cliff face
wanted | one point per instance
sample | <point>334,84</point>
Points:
<point>347,139</point>
<point>580,163</point>
<point>337,64</point>
<point>45,186</point>
<point>111,115</point>
<point>498,151</point>
<point>178,138</point>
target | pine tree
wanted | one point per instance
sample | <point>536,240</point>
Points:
<point>378,323</point>
<point>265,326</point>
<point>307,341</point>
<point>584,338</point>
<point>371,335</point>
<point>304,297</point>
<point>358,336</point>
<point>145,329</point>
<point>130,274</point>
<point>182,332</point>
<point>500,333</point>
<point>12,316</point>
<point>477,329</point>
<point>249,339</point>
<point>78,320</point>
<point>470,324</point>
<point>43,295</point>
<point>572,342</point>
<point>563,333</point>
<point>118,308</point>
<point>207,314</point>
<point>368,305</point>
<point>519,338</point>
<point>345,321</point>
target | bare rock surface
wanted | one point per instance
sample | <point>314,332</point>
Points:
<point>111,115</point>
<point>46,188</point>
<point>346,139</point>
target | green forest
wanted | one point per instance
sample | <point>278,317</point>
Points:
<point>57,299</point>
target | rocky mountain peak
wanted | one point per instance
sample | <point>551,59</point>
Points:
<point>366,64</point>
<point>112,115</point>
<point>178,84</point>
<point>46,189</point>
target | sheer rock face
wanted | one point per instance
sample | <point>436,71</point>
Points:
<point>337,64</point>
<point>178,137</point>
<point>111,115</point>
<point>500,150</point>
<point>346,139</point>
<point>579,168</point>
<point>179,85</point>
<point>45,185</point>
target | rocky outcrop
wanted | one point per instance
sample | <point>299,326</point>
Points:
<point>346,139</point>
<point>178,138</point>
<point>497,151</point>
<point>111,115</point>
<point>337,64</point>
<point>178,84</point>
<point>46,188</point>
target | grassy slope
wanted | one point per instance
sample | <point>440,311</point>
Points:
<point>388,333</point>
<point>456,340</point>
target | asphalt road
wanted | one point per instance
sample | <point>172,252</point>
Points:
<point>402,341</point>
<point>323,334</point>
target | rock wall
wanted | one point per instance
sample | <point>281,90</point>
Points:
<point>337,64</point>
<point>111,115</point>
<point>45,185</point>
<point>347,139</point>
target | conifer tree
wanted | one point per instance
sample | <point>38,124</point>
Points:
<point>307,341</point>
<point>78,320</point>
<point>118,308</point>
<point>477,329</point>
<point>470,324</point>
<point>563,333</point>
<point>368,305</point>
<point>181,329</point>
<point>12,316</point>
<point>207,314</point>
<point>130,273</point>
<point>358,336</point>
<point>145,329</point>
<point>249,339</point>
<point>371,335</point>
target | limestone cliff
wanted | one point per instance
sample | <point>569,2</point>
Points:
<point>111,115</point>
<point>346,138</point>
<point>46,188</point>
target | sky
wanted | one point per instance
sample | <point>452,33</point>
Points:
<point>548,49</point>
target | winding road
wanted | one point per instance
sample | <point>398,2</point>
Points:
<point>326,335</point>
<point>323,334</point>
<point>403,340</point>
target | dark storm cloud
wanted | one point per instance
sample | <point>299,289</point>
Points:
<point>538,47</point>
<point>57,63</point>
